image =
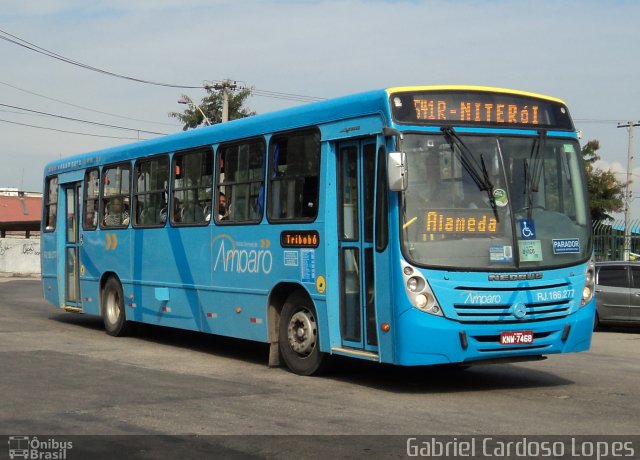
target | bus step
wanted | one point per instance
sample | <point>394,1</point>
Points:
<point>354,352</point>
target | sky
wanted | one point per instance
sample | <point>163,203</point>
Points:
<point>584,52</point>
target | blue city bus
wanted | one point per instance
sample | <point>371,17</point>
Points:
<point>412,225</point>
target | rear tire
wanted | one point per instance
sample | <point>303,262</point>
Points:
<point>113,311</point>
<point>298,337</point>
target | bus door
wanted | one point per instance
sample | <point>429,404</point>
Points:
<point>356,188</point>
<point>70,233</point>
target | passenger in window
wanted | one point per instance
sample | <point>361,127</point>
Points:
<point>92,218</point>
<point>178,210</point>
<point>117,214</point>
<point>223,211</point>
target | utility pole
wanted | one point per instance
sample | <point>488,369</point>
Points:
<point>226,86</point>
<point>628,191</point>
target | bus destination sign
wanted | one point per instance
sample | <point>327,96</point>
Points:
<point>299,239</point>
<point>479,108</point>
<point>460,222</point>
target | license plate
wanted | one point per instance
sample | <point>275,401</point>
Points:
<point>516,337</point>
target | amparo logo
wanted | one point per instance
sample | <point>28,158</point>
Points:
<point>482,299</point>
<point>240,257</point>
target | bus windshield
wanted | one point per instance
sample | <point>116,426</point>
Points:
<point>494,202</point>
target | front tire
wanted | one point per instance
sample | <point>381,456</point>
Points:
<point>298,337</point>
<point>597,326</point>
<point>113,311</point>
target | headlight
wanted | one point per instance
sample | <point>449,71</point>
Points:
<point>589,284</point>
<point>419,291</point>
<point>421,301</point>
<point>416,284</point>
<point>412,284</point>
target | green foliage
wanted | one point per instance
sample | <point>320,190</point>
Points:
<point>606,193</point>
<point>211,105</point>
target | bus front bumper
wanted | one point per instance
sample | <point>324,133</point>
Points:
<point>424,339</point>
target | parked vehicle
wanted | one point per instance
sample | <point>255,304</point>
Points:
<point>617,293</point>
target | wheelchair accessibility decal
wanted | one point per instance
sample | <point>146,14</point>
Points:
<point>527,229</point>
<point>529,247</point>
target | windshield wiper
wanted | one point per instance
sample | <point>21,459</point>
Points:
<point>478,172</point>
<point>532,173</point>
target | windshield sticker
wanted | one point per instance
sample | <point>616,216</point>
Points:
<point>566,246</point>
<point>527,229</point>
<point>499,253</point>
<point>500,197</point>
<point>530,251</point>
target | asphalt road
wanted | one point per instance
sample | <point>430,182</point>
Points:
<point>60,374</point>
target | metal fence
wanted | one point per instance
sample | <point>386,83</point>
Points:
<point>608,240</point>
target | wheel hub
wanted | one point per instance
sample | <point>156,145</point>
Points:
<point>112,310</point>
<point>302,332</point>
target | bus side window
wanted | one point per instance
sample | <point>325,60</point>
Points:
<point>91,199</point>
<point>115,194</point>
<point>192,186</point>
<point>240,182</point>
<point>150,192</point>
<point>294,176</point>
<point>51,204</point>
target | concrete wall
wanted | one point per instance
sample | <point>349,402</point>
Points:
<point>20,256</point>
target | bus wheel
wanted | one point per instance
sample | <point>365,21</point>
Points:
<point>113,314</point>
<point>298,336</point>
<point>596,323</point>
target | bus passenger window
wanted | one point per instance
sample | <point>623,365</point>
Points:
<point>51,204</point>
<point>115,194</point>
<point>192,187</point>
<point>294,176</point>
<point>91,199</point>
<point>240,182</point>
<point>150,192</point>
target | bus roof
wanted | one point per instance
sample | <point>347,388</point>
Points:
<point>489,89</point>
<point>362,104</point>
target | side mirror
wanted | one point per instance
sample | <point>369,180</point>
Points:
<point>398,174</point>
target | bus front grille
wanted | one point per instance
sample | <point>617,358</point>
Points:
<point>504,314</point>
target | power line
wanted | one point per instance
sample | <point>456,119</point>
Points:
<point>65,131</point>
<point>594,120</point>
<point>286,96</point>
<point>17,112</point>
<point>82,121</point>
<point>83,107</point>
<point>235,85</point>
<point>40,50</point>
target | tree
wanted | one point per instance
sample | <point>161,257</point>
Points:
<point>605,191</point>
<point>211,105</point>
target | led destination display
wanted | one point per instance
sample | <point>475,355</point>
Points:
<point>479,108</point>
<point>455,221</point>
